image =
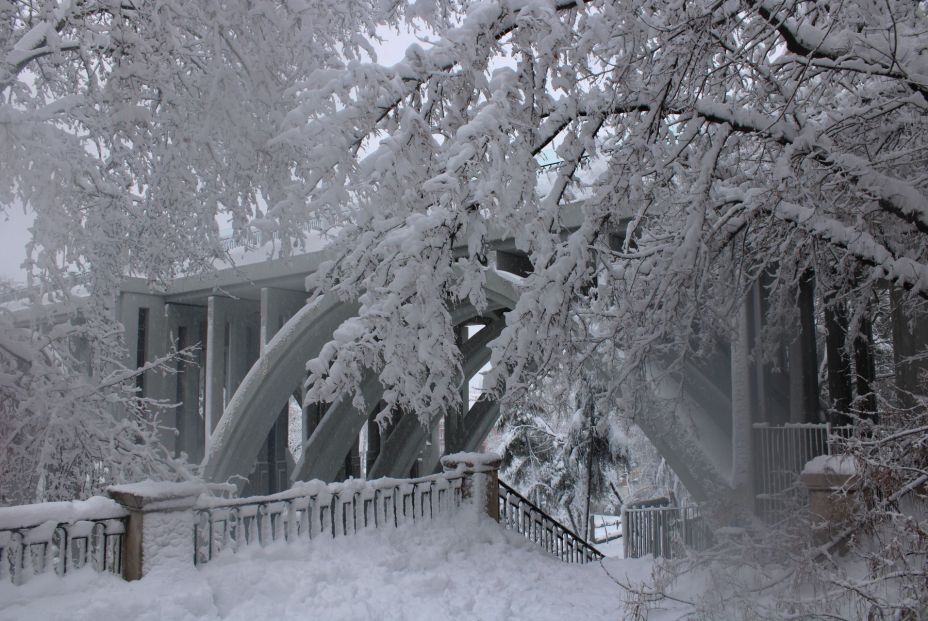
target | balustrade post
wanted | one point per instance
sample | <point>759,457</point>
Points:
<point>481,478</point>
<point>830,480</point>
<point>161,524</point>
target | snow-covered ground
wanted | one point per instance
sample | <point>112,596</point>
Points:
<point>463,568</point>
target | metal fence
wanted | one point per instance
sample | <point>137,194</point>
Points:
<point>61,548</point>
<point>781,452</point>
<point>663,531</point>
<point>521,515</point>
<point>232,524</point>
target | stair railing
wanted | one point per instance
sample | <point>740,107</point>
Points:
<point>518,513</point>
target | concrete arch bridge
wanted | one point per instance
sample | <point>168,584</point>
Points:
<point>255,333</point>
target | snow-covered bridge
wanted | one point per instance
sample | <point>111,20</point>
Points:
<point>253,334</point>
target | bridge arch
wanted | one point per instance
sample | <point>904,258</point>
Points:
<point>253,409</point>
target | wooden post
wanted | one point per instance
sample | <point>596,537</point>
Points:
<point>481,478</point>
<point>161,522</point>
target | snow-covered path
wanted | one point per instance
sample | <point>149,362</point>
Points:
<point>460,569</point>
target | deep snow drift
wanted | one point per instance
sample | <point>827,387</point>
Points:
<point>464,568</point>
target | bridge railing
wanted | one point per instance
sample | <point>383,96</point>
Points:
<point>663,531</point>
<point>152,523</point>
<point>317,510</point>
<point>518,513</point>
<point>781,453</point>
<point>61,537</point>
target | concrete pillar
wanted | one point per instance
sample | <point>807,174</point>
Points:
<point>187,328</point>
<point>277,306</point>
<point>742,411</point>
<point>144,320</point>
<point>373,441</point>
<point>910,338</point>
<point>839,362</point>
<point>161,522</point>
<point>454,420</point>
<point>831,482</point>
<point>481,478</point>
<point>216,321</point>
<point>803,358</point>
<point>233,330</point>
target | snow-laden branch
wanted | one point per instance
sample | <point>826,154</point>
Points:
<point>907,272</point>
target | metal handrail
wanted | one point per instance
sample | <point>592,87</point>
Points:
<point>539,527</point>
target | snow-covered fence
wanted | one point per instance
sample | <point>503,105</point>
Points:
<point>315,509</point>
<point>663,531</point>
<point>148,524</point>
<point>781,453</point>
<point>61,537</point>
<point>605,528</point>
<point>519,514</point>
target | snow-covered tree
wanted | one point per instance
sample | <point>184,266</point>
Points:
<point>130,130</point>
<point>710,143</point>
<point>561,453</point>
<point>71,421</point>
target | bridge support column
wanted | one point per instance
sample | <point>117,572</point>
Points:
<point>145,332</point>
<point>187,328</point>
<point>910,340</point>
<point>232,342</point>
<point>481,478</point>
<point>803,360</point>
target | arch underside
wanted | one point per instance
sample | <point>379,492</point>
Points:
<point>692,440</point>
<point>252,411</point>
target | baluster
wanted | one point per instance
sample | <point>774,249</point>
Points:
<point>306,521</point>
<point>236,529</point>
<point>4,558</point>
<point>291,526</point>
<point>60,539</point>
<point>17,557</point>
<point>95,541</point>
<point>332,503</point>
<point>344,518</point>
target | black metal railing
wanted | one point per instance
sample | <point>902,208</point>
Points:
<point>521,515</point>
<point>663,531</point>
<point>61,548</point>
<point>293,516</point>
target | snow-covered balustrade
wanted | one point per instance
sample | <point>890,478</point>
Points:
<point>61,537</point>
<point>663,531</point>
<point>315,509</point>
<point>521,515</point>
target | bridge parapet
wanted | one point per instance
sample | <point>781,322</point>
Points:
<point>147,525</point>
